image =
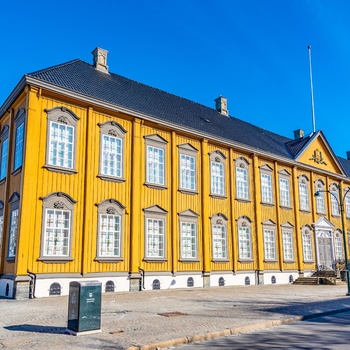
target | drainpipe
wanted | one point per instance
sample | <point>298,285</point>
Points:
<point>142,271</point>
<point>32,284</point>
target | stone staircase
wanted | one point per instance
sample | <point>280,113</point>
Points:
<point>319,277</point>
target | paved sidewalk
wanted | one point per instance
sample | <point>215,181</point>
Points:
<point>132,320</point>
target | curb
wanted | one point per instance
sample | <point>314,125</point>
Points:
<point>233,331</point>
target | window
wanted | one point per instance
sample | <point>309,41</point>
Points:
<point>155,160</point>
<point>266,184</point>
<point>307,244</point>
<point>303,192</point>
<point>334,199</point>
<point>244,238</point>
<point>57,226</point>
<point>4,151</point>
<point>219,236</point>
<point>347,202</point>
<point>19,120</point>
<point>188,168</point>
<point>287,234</point>
<point>217,173</point>
<point>338,246</point>
<point>110,224</point>
<point>112,151</point>
<point>242,182</point>
<point>320,202</point>
<point>61,140</point>
<point>155,221</point>
<point>284,188</point>
<point>188,234</point>
<point>269,240</point>
<point>13,232</point>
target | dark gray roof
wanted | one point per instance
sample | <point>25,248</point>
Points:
<point>82,78</point>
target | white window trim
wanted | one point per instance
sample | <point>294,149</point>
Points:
<point>189,217</point>
<point>285,199</point>
<point>267,192</point>
<point>114,208</point>
<point>242,164</point>
<point>155,212</point>
<point>187,150</point>
<point>57,201</point>
<point>4,159</point>
<point>334,195</point>
<point>320,199</point>
<point>217,158</point>
<point>63,116</point>
<point>13,234</point>
<point>158,142</point>
<point>220,220</point>
<point>338,246</point>
<point>269,227</point>
<point>304,193</point>
<point>306,232</point>
<point>287,229</point>
<point>19,152</point>
<point>114,131</point>
<point>246,244</point>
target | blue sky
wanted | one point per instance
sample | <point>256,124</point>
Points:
<point>254,52</point>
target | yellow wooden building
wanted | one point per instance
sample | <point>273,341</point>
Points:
<point>104,178</point>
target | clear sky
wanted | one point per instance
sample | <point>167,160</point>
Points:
<point>254,52</point>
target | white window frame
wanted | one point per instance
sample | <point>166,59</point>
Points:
<point>156,161</point>
<point>304,198</point>
<point>334,195</point>
<point>242,178</point>
<point>266,182</point>
<point>155,233</point>
<point>219,237</point>
<point>288,242</point>
<point>57,227</point>
<point>270,246</point>
<point>19,139</point>
<point>14,226</point>
<point>187,168</point>
<point>347,202</point>
<point>110,230</point>
<point>338,246</point>
<point>244,228</point>
<point>307,244</point>
<point>4,155</point>
<point>217,174</point>
<point>112,138</point>
<point>65,120</point>
<point>188,226</point>
<point>284,186</point>
<point>320,198</point>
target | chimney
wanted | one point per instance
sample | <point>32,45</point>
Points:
<point>348,155</point>
<point>100,59</point>
<point>221,105</point>
<point>298,134</point>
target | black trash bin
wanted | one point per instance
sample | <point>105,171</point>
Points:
<point>84,306</point>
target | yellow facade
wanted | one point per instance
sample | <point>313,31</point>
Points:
<point>215,257</point>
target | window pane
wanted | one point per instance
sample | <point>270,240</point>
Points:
<point>266,188</point>
<point>269,243</point>
<point>4,157</point>
<point>217,178</point>
<point>155,165</point>
<point>242,183</point>
<point>187,172</point>
<point>304,196</point>
<point>19,146</point>
<point>219,241</point>
<point>13,233</point>
<point>284,192</point>
<point>244,243</point>
<point>110,233</point>
<point>288,246</point>
<point>111,156</point>
<point>188,240</point>
<point>155,238</point>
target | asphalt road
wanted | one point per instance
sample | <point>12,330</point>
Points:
<point>328,332</point>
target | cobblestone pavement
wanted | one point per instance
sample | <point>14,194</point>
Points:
<point>132,319</point>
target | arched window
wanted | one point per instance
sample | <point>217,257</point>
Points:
<point>219,236</point>
<point>307,243</point>
<point>284,182</point>
<point>55,289</point>
<point>242,178</point>
<point>335,204</point>
<point>244,226</point>
<point>320,201</point>
<point>217,174</point>
<point>304,200</point>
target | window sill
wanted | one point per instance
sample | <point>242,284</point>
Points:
<point>189,260</point>
<point>155,260</point>
<point>336,216</point>
<point>58,169</point>
<point>10,260</point>
<point>111,178</point>
<point>245,260</point>
<point>321,214</point>
<point>289,261</point>
<point>55,259</point>
<point>285,207</point>
<point>218,260</point>
<point>267,204</point>
<point>243,200</point>
<point>270,261</point>
<point>309,262</point>
<point>187,191</point>
<point>156,186</point>
<point>218,196</point>
<point>17,171</point>
<point>305,211</point>
<point>2,181</point>
<point>105,259</point>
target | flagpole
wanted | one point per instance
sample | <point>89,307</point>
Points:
<point>312,92</point>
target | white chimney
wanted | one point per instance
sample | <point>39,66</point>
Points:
<point>100,59</point>
<point>221,105</point>
<point>298,134</point>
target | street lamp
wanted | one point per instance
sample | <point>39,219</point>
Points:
<point>340,202</point>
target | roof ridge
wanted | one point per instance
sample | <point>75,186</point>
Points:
<point>54,67</point>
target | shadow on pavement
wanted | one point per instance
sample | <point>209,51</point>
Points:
<point>36,328</point>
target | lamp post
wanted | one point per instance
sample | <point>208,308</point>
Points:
<point>340,202</point>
